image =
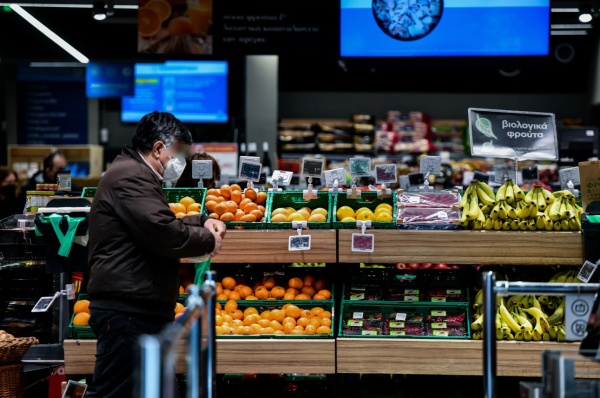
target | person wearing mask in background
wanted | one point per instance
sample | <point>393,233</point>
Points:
<point>186,180</point>
<point>9,203</point>
<point>134,250</point>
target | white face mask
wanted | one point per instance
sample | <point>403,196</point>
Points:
<point>174,167</point>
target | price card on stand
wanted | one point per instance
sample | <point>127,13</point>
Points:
<point>360,167</point>
<point>512,134</point>
<point>431,165</point>
<point>530,174</point>
<point>283,178</point>
<point>385,173</point>
<point>249,170</point>
<point>363,243</point>
<point>312,167</point>
<point>202,169</point>
<point>570,174</point>
<point>331,176</point>
<point>503,173</point>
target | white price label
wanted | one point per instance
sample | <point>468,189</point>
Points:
<point>570,174</point>
<point>357,315</point>
<point>586,272</point>
<point>400,316</point>
<point>300,242</point>
<point>414,199</point>
<point>431,165</point>
<point>332,175</point>
<point>283,178</point>
<point>363,243</point>
<point>202,169</point>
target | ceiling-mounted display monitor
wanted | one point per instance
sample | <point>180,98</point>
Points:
<point>194,91</point>
<point>444,28</point>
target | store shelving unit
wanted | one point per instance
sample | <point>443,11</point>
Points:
<point>378,355</point>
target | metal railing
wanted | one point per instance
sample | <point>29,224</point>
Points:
<point>491,289</point>
<point>158,352</point>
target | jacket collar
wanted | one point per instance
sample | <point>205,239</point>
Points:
<point>132,153</point>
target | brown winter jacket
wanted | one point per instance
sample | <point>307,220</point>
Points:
<point>136,241</point>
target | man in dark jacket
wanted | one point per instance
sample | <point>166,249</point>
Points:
<point>135,244</point>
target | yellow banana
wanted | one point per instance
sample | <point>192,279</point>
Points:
<point>514,224</point>
<point>501,194</point>
<point>485,198</point>
<point>486,188</point>
<point>498,224</point>
<point>524,213</point>
<point>506,225</point>
<point>474,207</point>
<point>541,201</point>
<point>529,197</point>
<point>512,324</point>
<point>509,194</point>
<point>489,224</point>
<point>519,195</point>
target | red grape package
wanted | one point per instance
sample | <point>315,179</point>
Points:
<point>446,323</point>
<point>428,200</point>
<point>360,323</point>
<point>367,292</point>
<point>406,322</point>
<point>403,293</point>
<point>427,216</point>
<point>442,295</point>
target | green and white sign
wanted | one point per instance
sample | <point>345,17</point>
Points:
<point>512,134</point>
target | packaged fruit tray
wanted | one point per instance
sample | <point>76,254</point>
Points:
<point>236,206</point>
<point>405,321</point>
<point>172,195</point>
<point>249,313</point>
<point>293,200</point>
<point>368,201</point>
<point>265,286</point>
<point>428,199</point>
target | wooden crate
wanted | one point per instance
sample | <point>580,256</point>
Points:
<point>449,357</point>
<point>247,246</point>
<point>233,356</point>
<point>467,247</point>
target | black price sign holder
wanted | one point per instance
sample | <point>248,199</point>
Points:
<point>512,135</point>
<point>311,168</point>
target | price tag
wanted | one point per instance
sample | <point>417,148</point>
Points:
<point>398,333</point>
<point>355,323</point>
<point>411,291</point>
<point>467,178</point>
<point>202,169</point>
<point>502,174</point>
<point>397,325</point>
<point>411,298</point>
<point>300,242</point>
<point>586,272</point>
<point>453,291</point>
<point>438,299</point>
<point>283,178</point>
<point>414,199</point>
<point>439,325</point>
<point>400,316</point>
<point>442,215</point>
<point>431,165</point>
<point>44,304</point>
<point>363,243</point>
<point>440,333</point>
<point>369,332</point>
<point>357,315</point>
<point>512,134</point>
<point>530,174</point>
<point>360,167</point>
<point>438,313</point>
<point>312,167</point>
<point>385,173</point>
<point>335,174</point>
<point>249,171</point>
<point>577,314</point>
<point>569,174</point>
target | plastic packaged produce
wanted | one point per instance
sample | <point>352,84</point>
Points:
<point>412,293</point>
<point>427,216</point>
<point>362,323</point>
<point>367,292</point>
<point>431,200</point>
<point>446,295</point>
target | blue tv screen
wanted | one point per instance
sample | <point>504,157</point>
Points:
<point>193,91</point>
<point>451,28</point>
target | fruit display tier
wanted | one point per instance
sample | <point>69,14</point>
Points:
<point>407,246</point>
<point>358,355</point>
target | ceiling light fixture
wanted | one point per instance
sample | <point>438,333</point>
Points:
<point>50,34</point>
<point>99,10</point>
<point>585,17</point>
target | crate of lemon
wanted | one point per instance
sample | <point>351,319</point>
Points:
<point>381,212</point>
<point>292,320</point>
<point>287,207</point>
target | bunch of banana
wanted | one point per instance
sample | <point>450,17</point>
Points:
<point>478,200</point>
<point>564,212</point>
<point>566,276</point>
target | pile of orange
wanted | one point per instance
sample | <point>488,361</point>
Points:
<point>229,204</point>
<point>290,319</point>
<point>82,313</point>
<point>186,207</point>
<point>266,289</point>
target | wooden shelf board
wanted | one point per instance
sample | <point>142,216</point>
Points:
<point>448,357</point>
<point>467,247</point>
<point>233,356</point>
<point>246,246</point>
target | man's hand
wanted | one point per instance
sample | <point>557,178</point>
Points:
<point>216,227</point>
<point>218,243</point>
